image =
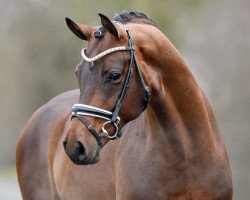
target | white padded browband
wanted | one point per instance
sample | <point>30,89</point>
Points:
<point>100,55</point>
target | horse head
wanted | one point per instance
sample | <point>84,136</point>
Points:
<point>113,89</point>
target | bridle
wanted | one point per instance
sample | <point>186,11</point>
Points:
<point>81,110</point>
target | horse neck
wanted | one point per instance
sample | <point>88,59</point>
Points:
<point>179,118</point>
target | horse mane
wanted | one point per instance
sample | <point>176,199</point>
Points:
<point>128,17</point>
<point>134,17</point>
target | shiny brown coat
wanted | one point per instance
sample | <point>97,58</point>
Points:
<point>171,151</point>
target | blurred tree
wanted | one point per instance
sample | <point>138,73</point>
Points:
<point>217,48</point>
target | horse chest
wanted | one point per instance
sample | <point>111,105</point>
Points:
<point>141,173</point>
<point>149,182</point>
<point>144,176</point>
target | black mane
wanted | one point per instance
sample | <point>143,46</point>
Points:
<point>126,17</point>
<point>134,17</point>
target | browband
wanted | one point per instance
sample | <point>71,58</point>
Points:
<point>104,53</point>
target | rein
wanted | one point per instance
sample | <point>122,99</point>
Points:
<point>81,110</point>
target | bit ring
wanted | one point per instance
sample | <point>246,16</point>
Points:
<point>105,132</point>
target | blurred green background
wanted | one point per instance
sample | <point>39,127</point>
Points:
<point>38,56</point>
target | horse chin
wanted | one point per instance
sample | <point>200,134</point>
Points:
<point>86,161</point>
<point>91,160</point>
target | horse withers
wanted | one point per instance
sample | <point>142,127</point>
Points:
<point>140,126</point>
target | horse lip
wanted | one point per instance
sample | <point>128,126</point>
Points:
<point>86,161</point>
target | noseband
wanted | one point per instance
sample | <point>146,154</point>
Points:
<point>81,110</point>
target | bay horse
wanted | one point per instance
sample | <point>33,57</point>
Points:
<point>134,87</point>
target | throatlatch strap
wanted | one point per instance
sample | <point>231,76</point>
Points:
<point>147,90</point>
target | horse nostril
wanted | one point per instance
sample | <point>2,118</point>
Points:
<point>65,144</point>
<point>81,151</point>
<point>75,151</point>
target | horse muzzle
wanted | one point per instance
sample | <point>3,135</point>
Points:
<point>110,129</point>
<point>83,143</point>
<point>81,152</point>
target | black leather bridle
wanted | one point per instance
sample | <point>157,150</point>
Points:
<point>81,110</point>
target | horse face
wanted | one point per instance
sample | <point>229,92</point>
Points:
<point>100,85</point>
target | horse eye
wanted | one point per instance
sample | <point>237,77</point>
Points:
<point>115,76</point>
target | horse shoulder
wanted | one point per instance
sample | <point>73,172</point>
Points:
<point>33,148</point>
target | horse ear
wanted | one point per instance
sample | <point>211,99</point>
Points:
<point>81,30</point>
<point>109,25</point>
